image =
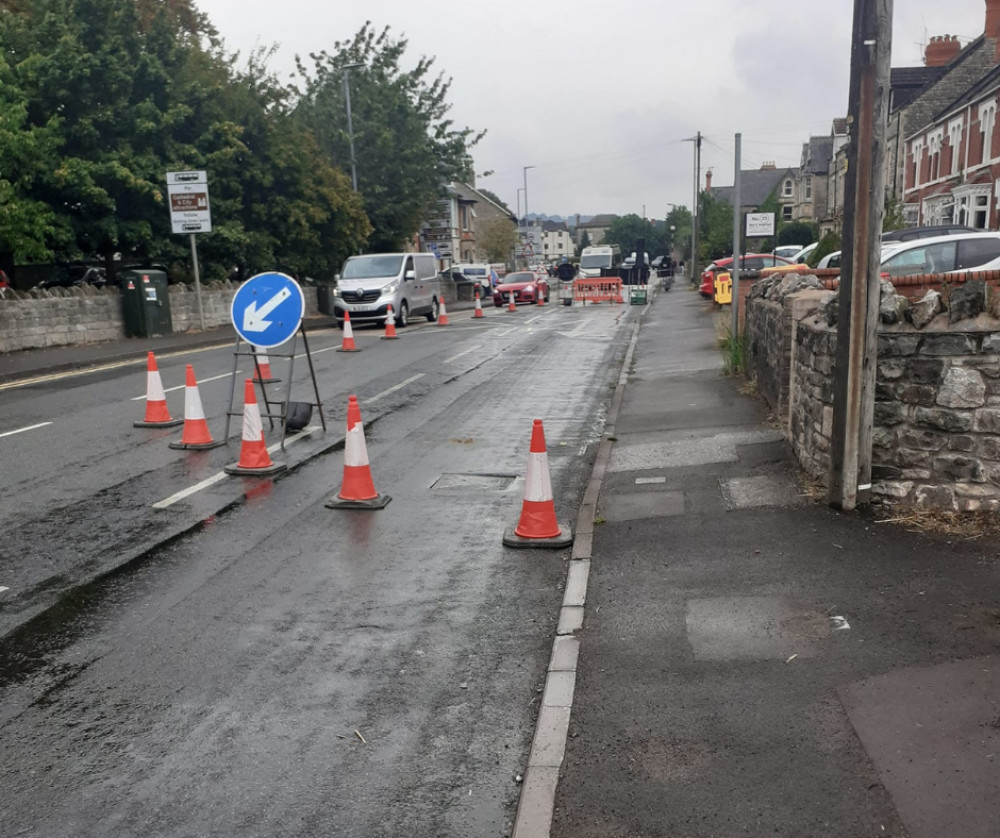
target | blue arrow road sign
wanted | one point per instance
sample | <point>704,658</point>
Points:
<point>268,309</point>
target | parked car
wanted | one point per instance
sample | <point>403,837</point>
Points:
<point>803,255</point>
<point>943,254</point>
<point>911,233</point>
<point>524,285</point>
<point>831,260</point>
<point>787,251</point>
<point>75,274</point>
<point>748,262</point>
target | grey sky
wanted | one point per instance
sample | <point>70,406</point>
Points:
<point>599,96</point>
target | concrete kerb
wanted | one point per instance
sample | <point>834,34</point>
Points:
<point>548,747</point>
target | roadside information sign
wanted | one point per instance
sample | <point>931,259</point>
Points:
<point>760,224</point>
<point>267,309</point>
<point>188,196</point>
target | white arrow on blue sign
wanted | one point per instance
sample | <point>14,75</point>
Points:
<point>267,309</point>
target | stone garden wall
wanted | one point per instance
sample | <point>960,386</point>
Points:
<point>67,316</point>
<point>936,435</point>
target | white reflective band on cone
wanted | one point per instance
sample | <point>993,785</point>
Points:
<point>192,404</point>
<point>154,387</point>
<point>253,430</point>
<point>537,485</point>
<point>355,450</point>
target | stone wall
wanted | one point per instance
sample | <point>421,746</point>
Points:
<point>63,317</point>
<point>936,435</point>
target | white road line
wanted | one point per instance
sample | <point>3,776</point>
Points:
<point>22,430</point>
<point>200,381</point>
<point>642,481</point>
<point>316,351</point>
<point>460,354</point>
<point>393,389</point>
<point>2,589</point>
<point>58,376</point>
<point>220,476</point>
<point>509,331</point>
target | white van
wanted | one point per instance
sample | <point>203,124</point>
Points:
<point>602,256</point>
<point>368,284</point>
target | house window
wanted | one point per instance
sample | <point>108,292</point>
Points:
<point>465,217</point>
<point>980,212</point>
<point>987,117</point>
<point>934,153</point>
<point>786,212</point>
<point>786,191</point>
<point>955,141</point>
<point>808,188</point>
<point>918,154</point>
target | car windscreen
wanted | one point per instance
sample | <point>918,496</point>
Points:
<point>596,260</point>
<point>369,267</point>
<point>519,277</point>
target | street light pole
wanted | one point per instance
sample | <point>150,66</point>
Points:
<point>526,194</point>
<point>350,125</point>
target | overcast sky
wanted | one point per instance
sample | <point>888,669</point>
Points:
<point>600,96</point>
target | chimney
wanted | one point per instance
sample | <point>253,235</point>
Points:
<point>708,180</point>
<point>767,166</point>
<point>941,50</point>
<point>993,18</point>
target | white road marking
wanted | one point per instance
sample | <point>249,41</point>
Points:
<point>58,376</point>
<point>22,430</point>
<point>200,381</point>
<point>220,476</point>
<point>641,481</point>
<point>2,589</point>
<point>393,389</point>
<point>460,354</point>
<point>507,332</point>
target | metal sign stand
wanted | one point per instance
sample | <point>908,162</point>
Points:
<point>273,409</point>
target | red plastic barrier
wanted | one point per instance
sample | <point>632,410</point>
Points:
<point>605,289</point>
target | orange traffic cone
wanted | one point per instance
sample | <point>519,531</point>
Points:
<point>539,296</point>
<point>510,304</point>
<point>538,526</point>
<point>157,415</point>
<point>348,343</point>
<point>479,307</point>
<point>196,434</point>
<point>357,491</point>
<point>254,458</point>
<point>390,324</point>
<point>262,375</point>
<point>442,314</point>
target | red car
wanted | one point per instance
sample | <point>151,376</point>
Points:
<point>749,262</point>
<point>524,285</point>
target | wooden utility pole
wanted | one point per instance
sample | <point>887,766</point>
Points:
<point>864,200</point>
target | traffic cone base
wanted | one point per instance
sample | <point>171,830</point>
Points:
<point>196,435</point>
<point>564,539</point>
<point>254,456</point>
<point>357,491</point>
<point>157,415</point>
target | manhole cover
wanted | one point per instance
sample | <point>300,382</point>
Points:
<point>474,481</point>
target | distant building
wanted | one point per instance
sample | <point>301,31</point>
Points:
<point>595,228</point>
<point>450,232</point>
<point>556,241</point>
<point>757,185</point>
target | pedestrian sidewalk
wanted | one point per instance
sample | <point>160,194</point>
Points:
<point>753,662</point>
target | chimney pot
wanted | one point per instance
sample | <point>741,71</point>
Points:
<point>942,49</point>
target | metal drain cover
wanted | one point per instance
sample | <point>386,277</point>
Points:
<point>474,481</point>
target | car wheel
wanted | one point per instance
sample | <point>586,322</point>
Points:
<point>403,318</point>
<point>432,315</point>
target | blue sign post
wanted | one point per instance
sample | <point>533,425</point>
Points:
<point>268,309</point>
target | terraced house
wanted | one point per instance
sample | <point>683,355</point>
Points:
<point>943,135</point>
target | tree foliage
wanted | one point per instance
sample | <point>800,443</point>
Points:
<point>406,147</point>
<point>715,228</point>
<point>496,239</point>
<point>100,98</point>
<point>626,230</point>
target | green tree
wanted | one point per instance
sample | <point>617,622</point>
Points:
<point>715,228</point>
<point>679,224</point>
<point>894,217</point>
<point>584,242</point>
<point>496,239</point>
<point>406,147</point>
<point>797,232</point>
<point>626,230</point>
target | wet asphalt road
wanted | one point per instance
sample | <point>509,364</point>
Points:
<point>283,668</point>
